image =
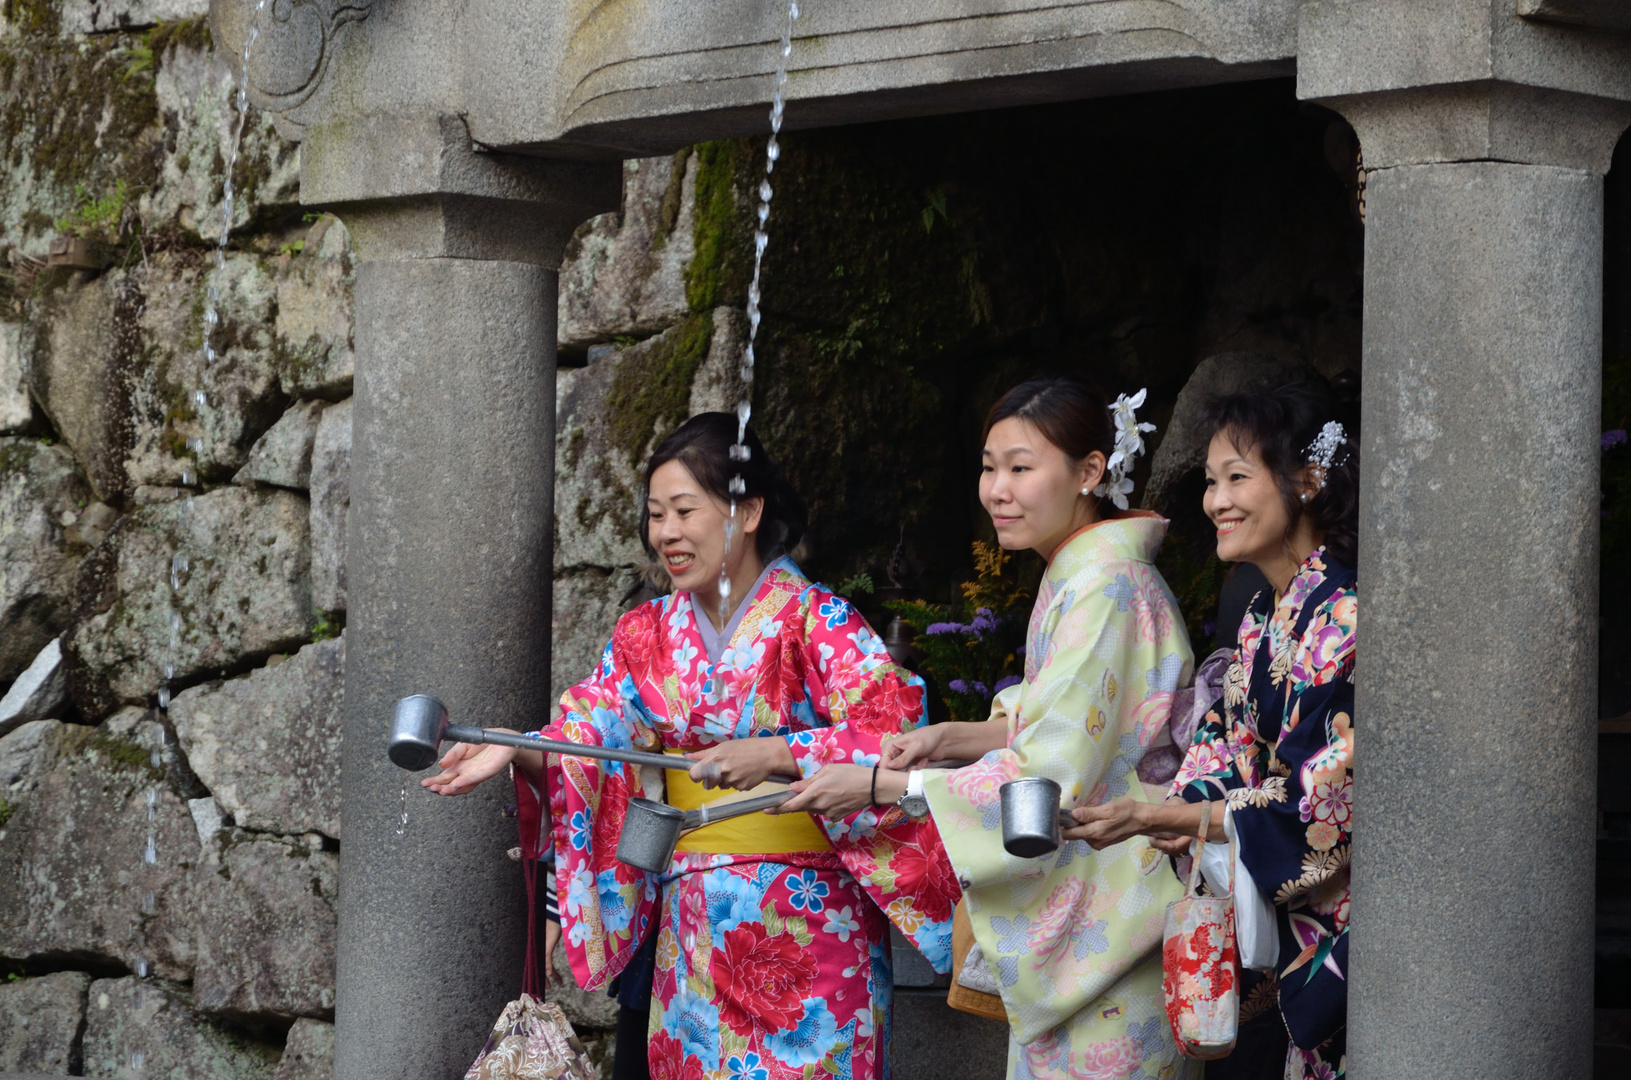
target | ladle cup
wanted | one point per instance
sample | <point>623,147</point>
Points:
<point>651,830</point>
<point>1032,817</point>
<point>420,725</point>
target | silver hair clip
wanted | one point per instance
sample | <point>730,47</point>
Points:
<point>1323,450</point>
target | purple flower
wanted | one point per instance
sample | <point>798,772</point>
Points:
<point>958,686</point>
<point>1209,628</point>
<point>1020,652</point>
<point>980,688</point>
<point>938,628</point>
<point>1005,682</point>
<point>1613,438</point>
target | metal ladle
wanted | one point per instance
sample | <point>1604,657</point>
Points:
<point>1032,817</point>
<point>420,725</point>
<point>651,830</point>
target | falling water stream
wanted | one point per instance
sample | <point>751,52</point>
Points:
<point>761,240</point>
<point>180,565</point>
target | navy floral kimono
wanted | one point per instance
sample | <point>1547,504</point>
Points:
<point>1279,747</point>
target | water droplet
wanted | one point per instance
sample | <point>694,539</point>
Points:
<point>402,825</point>
<point>157,758</point>
<point>773,149</point>
<point>764,212</point>
<point>740,453</point>
<point>151,855</point>
<point>138,1059</point>
<point>744,410</point>
<point>787,47</point>
<point>141,969</point>
<point>150,903</point>
<point>765,191</point>
<point>199,399</point>
<point>738,486</point>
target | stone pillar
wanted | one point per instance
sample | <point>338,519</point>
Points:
<point>449,555</point>
<point>1476,717</point>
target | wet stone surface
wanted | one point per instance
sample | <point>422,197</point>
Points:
<point>268,745</point>
<point>157,1020</point>
<point>40,1022</point>
<point>245,594</point>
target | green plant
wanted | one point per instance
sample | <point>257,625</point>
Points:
<point>293,247</point>
<point>972,650</point>
<point>6,810</point>
<point>325,627</point>
<point>856,583</point>
<point>95,217</point>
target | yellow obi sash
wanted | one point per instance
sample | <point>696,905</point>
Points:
<point>750,834</point>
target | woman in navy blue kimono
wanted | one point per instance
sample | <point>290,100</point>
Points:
<point>1282,487</point>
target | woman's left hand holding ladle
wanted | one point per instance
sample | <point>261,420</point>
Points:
<point>467,765</point>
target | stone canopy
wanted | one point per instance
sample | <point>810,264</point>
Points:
<point>462,142</point>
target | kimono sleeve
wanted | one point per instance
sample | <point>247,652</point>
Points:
<point>867,698</point>
<point>605,905</point>
<point>1295,828</point>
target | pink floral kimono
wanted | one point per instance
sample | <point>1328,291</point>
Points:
<point>773,943</point>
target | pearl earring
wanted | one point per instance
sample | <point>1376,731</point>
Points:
<point>1304,496</point>
<point>1084,491</point>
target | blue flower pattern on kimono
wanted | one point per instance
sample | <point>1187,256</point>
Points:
<point>747,1067</point>
<point>732,900</point>
<point>614,913</point>
<point>806,1042</point>
<point>808,892</point>
<point>835,611</point>
<point>694,1021</point>
<point>579,827</point>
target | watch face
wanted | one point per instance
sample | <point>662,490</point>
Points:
<point>915,806</point>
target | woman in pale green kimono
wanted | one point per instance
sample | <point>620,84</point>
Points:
<point>1074,937</point>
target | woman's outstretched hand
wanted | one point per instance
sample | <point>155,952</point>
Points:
<point>467,765</point>
<point>837,791</point>
<point>914,749</point>
<point>1170,825</point>
<point>1108,823</point>
<point>922,746</point>
<point>744,763</point>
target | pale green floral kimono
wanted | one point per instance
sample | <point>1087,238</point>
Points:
<point>1075,937</point>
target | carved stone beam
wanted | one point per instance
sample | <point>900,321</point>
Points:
<point>291,54</point>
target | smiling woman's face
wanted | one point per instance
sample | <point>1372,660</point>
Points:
<point>686,528</point>
<point>1244,502</point>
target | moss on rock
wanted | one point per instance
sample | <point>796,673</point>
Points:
<point>650,391</point>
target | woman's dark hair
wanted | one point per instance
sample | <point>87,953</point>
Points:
<point>703,445</point>
<point>1067,411</point>
<point>1279,426</point>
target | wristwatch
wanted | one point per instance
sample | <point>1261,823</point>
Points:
<point>914,802</point>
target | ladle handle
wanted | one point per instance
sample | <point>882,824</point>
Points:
<point>701,816</point>
<point>468,733</point>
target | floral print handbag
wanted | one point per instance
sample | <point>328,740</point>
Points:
<point>532,1040</point>
<point>1200,969</point>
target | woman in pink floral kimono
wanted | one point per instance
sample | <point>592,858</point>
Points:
<point>772,932</point>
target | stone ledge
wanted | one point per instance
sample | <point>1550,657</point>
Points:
<point>1592,14</point>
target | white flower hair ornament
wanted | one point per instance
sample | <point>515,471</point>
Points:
<point>1129,444</point>
<point>1322,451</point>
